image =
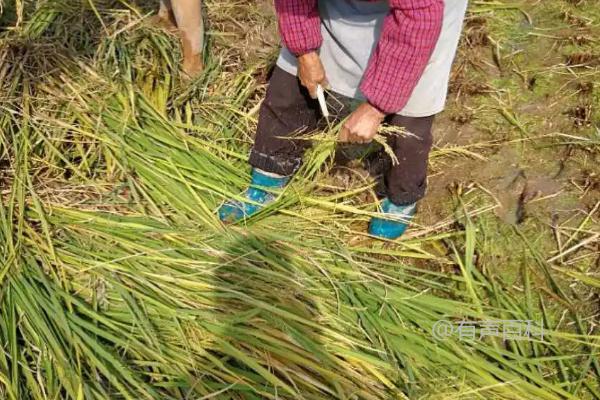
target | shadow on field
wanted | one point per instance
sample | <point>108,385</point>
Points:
<point>265,322</point>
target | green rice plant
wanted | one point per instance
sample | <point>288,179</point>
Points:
<point>117,281</point>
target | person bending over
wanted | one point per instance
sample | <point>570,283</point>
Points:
<point>393,56</point>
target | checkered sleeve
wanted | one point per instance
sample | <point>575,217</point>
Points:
<point>299,25</point>
<point>410,33</point>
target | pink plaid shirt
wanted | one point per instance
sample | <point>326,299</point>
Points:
<point>409,35</point>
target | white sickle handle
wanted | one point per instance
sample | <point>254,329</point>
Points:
<point>322,103</point>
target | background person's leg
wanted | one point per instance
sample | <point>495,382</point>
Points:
<point>165,17</point>
<point>406,182</point>
<point>188,14</point>
<point>165,11</point>
<point>287,111</point>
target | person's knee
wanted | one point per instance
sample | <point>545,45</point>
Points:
<point>417,138</point>
<point>417,126</point>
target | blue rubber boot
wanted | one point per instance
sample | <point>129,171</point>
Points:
<point>393,221</point>
<point>258,196</point>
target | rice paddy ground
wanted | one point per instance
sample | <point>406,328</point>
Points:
<point>117,281</point>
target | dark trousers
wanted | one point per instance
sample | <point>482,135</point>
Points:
<point>288,112</point>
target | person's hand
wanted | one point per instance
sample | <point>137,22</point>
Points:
<point>362,125</point>
<point>311,73</point>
